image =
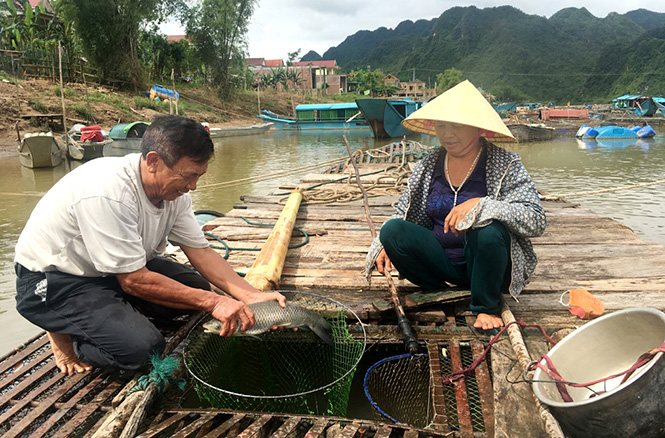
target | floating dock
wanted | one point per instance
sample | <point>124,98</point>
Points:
<point>579,249</point>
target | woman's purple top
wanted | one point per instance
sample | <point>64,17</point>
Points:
<point>440,202</point>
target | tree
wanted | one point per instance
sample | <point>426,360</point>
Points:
<point>448,79</point>
<point>108,31</point>
<point>368,81</point>
<point>292,57</point>
<point>217,28</point>
<point>507,93</point>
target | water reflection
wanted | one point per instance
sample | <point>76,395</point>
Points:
<point>560,166</point>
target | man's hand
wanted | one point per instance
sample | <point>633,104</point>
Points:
<point>230,312</point>
<point>383,262</point>
<point>256,297</point>
<point>65,357</point>
<point>456,215</point>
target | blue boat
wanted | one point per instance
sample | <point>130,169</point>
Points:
<point>645,131</point>
<point>642,106</point>
<point>339,116</point>
<point>385,115</point>
<point>615,133</point>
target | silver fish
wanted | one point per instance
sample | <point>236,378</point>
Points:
<point>270,314</point>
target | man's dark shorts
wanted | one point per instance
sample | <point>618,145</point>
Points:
<point>109,327</point>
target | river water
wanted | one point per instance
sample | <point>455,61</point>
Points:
<point>560,166</point>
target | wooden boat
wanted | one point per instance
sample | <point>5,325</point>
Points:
<point>85,150</point>
<point>641,106</point>
<point>385,115</point>
<point>236,132</point>
<point>563,113</point>
<point>126,139</point>
<point>40,150</point>
<point>327,116</point>
<point>530,132</point>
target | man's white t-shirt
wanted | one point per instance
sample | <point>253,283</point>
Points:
<point>97,220</point>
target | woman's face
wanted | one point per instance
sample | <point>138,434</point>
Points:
<point>455,138</point>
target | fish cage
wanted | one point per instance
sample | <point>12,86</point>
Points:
<point>279,371</point>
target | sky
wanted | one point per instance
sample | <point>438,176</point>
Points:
<point>282,26</point>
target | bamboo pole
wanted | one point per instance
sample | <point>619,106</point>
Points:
<point>524,358</point>
<point>267,268</point>
<point>62,96</point>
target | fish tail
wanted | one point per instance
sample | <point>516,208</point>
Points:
<point>323,330</point>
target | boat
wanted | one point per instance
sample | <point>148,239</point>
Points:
<point>563,113</point>
<point>126,139</point>
<point>645,131</point>
<point>339,116</point>
<point>236,132</point>
<point>641,106</point>
<point>40,150</point>
<point>614,132</point>
<point>530,132</point>
<point>385,115</point>
<point>86,143</point>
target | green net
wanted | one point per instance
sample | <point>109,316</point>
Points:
<point>281,371</point>
<point>398,388</point>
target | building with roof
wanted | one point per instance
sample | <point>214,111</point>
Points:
<point>412,89</point>
<point>274,63</point>
<point>322,75</point>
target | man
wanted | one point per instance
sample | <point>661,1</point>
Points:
<point>87,262</point>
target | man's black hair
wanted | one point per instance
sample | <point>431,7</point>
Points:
<point>174,137</point>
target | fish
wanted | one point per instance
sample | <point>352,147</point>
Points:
<point>269,314</point>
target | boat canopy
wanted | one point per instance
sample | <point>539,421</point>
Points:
<point>326,106</point>
<point>128,130</point>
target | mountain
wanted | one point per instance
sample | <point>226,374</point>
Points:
<point>311,56</point>
<point>571,56</point>
<point>647,20</point>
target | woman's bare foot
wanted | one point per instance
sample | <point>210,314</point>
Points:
<point>65,357</point>
<point>488,322</point>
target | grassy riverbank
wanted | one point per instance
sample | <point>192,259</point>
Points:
<point>106,107</point>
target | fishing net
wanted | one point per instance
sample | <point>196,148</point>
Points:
<point>398,388</point>
<point>281,371</point>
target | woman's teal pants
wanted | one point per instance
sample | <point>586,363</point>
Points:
<point>419,257</point>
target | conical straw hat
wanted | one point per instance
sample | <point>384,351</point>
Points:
<point>463,104</point>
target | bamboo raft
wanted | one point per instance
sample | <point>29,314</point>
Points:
<point>580,249</point>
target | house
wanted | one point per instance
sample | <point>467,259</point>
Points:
<point>175,38</point>
<point>322,75</point>
<point>391,81</point>
<point>274,63</point>
<point>412,89</point>
<point>255,62</point>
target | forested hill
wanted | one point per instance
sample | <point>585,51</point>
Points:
<point>570,56</point>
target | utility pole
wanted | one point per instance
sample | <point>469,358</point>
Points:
<point>414,75</point>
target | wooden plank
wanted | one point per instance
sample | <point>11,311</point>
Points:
<point>224,427</point>
<point>625,284</point>
<point>153,431</point>
<point>26,383</point>
<point>350,430</point>
<point>463,410</point>
<point>287,428</point>
<point>420,299</point>
<point>484,388</point>
<point>68,405</point>
<point>256,427</point>
<point>87,410</point>
<point>20,356</point>
<point>383,432</point>
<point>194,426</point>
<point>514,410</point>
<point>20,371</point>
<point>317,428</point>
<point>45,405</point>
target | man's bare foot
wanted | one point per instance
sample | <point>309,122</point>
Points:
<point>65,357</point>
<point>488,322</point>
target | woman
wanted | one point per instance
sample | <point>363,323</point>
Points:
<point>468,210</point>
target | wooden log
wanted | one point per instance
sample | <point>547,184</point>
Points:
<point>517,341</point>
<point>267,269</point>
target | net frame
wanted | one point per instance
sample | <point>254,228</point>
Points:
<point>396,362</point>
<point>324,389</point>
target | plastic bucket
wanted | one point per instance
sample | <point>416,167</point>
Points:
<point>606,346</point>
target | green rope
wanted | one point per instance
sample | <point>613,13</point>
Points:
<point>163,372</point>
<point>227,249</point>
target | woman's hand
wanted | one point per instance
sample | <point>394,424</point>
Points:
<point>256,297</point>
<point>457,214</point>
<point>383,262</point>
